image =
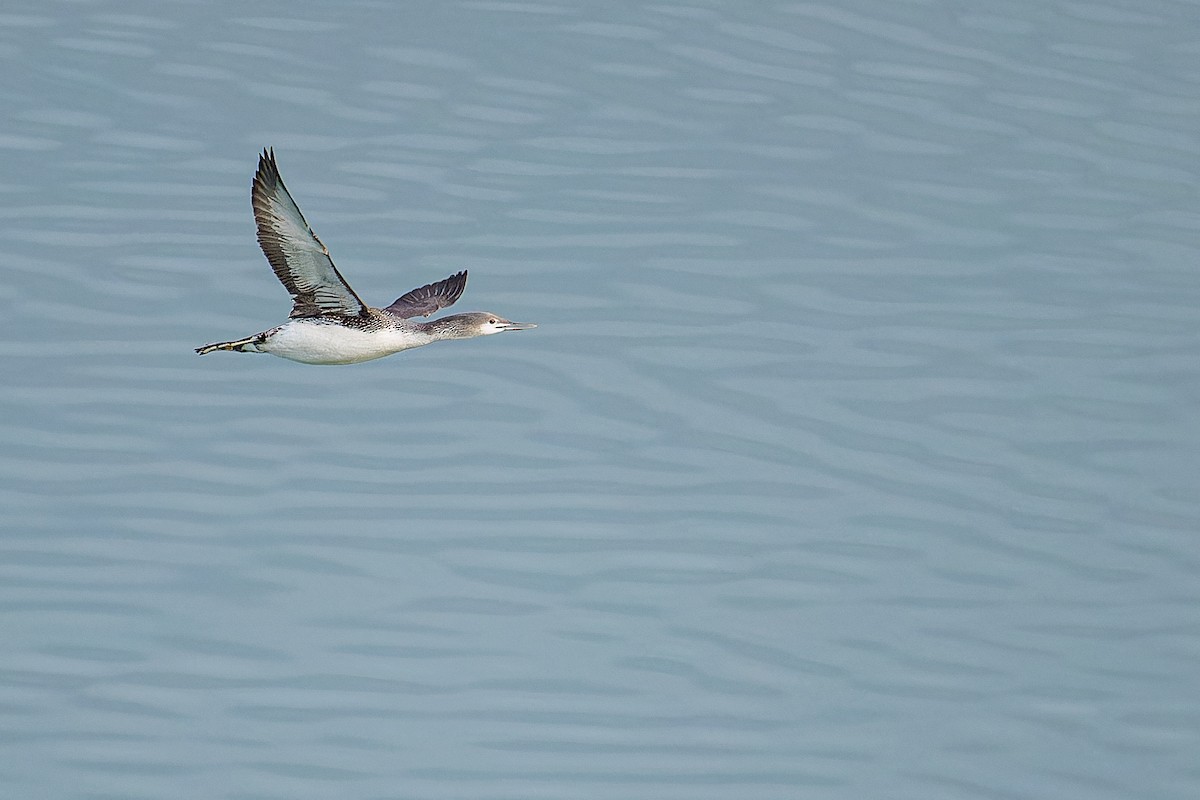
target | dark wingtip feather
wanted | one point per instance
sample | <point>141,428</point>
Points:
<point>267,174</point>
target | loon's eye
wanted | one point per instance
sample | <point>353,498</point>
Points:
<point>491,322</point>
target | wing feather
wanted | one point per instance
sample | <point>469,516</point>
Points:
<point>429,298</point>
<point>299,259</point>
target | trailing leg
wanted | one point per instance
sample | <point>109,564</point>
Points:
<point>248,345</point>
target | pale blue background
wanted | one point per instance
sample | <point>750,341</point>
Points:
<point>856,455</point>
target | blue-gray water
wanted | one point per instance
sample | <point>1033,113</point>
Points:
<point>855,456</point>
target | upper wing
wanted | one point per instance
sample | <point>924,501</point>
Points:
<point>298,257</point>
<point>428,299</point>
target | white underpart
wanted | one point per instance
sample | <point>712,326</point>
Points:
<point>323,343</point>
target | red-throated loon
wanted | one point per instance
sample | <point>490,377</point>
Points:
<point>329,324</point>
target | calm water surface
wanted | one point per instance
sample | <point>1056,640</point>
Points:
<point>855,454</point>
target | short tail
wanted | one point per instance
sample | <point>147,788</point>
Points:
<point>247,345</point>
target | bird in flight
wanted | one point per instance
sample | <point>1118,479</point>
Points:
<point>329,323</point>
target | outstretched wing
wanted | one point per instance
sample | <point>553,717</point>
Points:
<point>428,299</point>
<point>298,257</point>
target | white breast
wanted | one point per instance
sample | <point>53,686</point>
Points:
<point>314,342</point>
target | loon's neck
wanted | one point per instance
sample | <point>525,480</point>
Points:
<point>454,326</point>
